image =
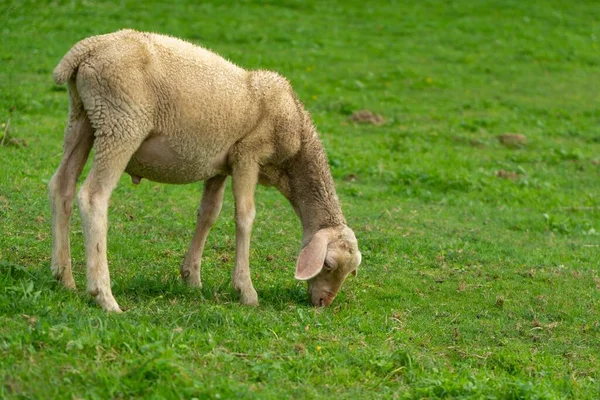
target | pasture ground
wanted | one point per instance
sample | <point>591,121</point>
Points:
<point>481,257</point>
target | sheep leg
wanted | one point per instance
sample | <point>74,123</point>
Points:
<point>210,207</point>
<point>78,141</point>
<point>110,161</point>
<point>245,178</point>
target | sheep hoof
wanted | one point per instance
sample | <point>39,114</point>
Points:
<point>68,282</point>
<point>66,279</point>
<point>249,299</point>
<point>191,279</point>
<point>195,283</point>
<point>114,307</point>
<point>108,303</point>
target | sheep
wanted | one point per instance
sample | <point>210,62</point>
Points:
<point>169,111</point>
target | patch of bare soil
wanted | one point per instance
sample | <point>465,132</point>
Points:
<point>510,175</point>
<point>512,140</point>
<point>367,117</point>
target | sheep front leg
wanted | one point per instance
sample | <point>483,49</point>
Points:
<point>210,207</point>
<point>78,142</point>
<point>245,178</point>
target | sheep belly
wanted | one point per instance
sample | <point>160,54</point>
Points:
<point>157,160</point>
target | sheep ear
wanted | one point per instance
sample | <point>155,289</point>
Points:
<point>311,258</point>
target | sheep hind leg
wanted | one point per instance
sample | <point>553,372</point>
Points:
<point>79,138</point>
<point>245,178</point>
<point>210,207</point>
<point>110,160</point>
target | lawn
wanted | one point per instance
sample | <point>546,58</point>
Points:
<point>476,203</point>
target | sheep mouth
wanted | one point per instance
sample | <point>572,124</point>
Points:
<point>323,299</point>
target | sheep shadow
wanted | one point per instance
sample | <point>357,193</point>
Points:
<point>143,289</point>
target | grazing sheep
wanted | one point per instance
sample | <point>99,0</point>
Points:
<point>163,109</point>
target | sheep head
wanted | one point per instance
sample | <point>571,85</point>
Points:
<point>326,261</point>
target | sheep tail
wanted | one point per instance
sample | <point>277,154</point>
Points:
<point>67,67</point>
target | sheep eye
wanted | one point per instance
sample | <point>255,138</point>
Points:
<point>330,264</point>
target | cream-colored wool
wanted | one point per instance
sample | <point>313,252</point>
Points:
<point>166,110</point>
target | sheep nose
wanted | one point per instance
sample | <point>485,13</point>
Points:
<point>324,302</point>
<point>318,301</point>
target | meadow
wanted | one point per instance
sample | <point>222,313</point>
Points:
<point>475,199</point>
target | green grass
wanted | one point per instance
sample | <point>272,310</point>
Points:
<point>472,286</point>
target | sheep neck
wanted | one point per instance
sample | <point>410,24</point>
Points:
<point>312,190</point>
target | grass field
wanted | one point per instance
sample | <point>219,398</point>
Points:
<point>481,259</point>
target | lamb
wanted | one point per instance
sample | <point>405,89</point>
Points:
<point>169,111</point>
